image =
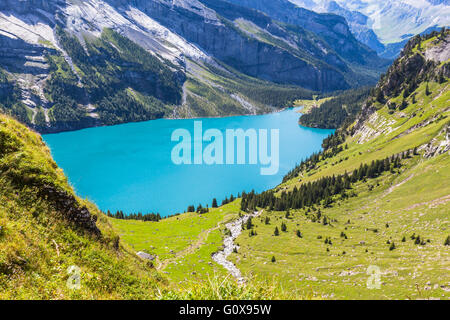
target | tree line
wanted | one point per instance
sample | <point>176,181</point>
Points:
<point>321,190</point>
<point>134,216</point>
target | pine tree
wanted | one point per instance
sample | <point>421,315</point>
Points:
<point>404,105</point>
<point>276,232</point>
<point>267,221</point>
<point>214,203</point>
<point>249,223</point>
<point>283,227</point>
<point>441,77</point>
<point>392,247</point>
<point>299,234</point>
<point>273,259</point>
<point>427,90</point>
<point>447,241</point>
<point>442,34</point>
<point>405,93</point>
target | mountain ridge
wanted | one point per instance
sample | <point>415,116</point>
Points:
<point>386,26</point>
<point>188,38</point>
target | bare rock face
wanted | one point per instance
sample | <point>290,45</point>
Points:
<point>30,6</point>
<point>201,25</point>
<point>439,53</point>
<point>438,146</point>
<point>331,27</point>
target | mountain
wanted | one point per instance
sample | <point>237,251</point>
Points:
<point>332,28</point>
<point>386,23</point>
<point>56,246</point>
<point>78,64</point>
<point>357,21</point>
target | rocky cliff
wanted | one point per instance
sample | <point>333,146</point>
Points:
<point>221,38</point>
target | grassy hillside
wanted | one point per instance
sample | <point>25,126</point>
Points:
<point>45,229</point>
<point>182,241</point>
<point>48,234</point>
<point>394,218</point>
<point>379,200</point>
<point>397,221</point>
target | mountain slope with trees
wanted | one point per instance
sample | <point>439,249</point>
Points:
<point>376,196</point>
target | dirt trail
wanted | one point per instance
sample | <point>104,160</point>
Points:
<point>194,246</point>
<point>432,204</point>
<point>392,188</point>
<point>220,257</point>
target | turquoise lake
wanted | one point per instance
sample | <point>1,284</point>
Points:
<point>128,167</point>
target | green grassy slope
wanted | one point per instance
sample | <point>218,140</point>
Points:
<point>44,231</point>
<point>389,208</point>
<point>181,242</point>
<point>216,91</point>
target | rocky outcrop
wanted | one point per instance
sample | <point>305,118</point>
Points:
<point>439,145</point>
<point>220,257</point>
<point>439,53</point>
<point>145,256</point>
<point>70,208</point>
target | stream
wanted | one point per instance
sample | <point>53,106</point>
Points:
<point>220,257</point>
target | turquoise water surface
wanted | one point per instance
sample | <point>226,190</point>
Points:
<point>128,167</point>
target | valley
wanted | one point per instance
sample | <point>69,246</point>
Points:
<point>98,207</point>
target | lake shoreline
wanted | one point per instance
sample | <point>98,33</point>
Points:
<point>168,118</point>
<point>130,167</point>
